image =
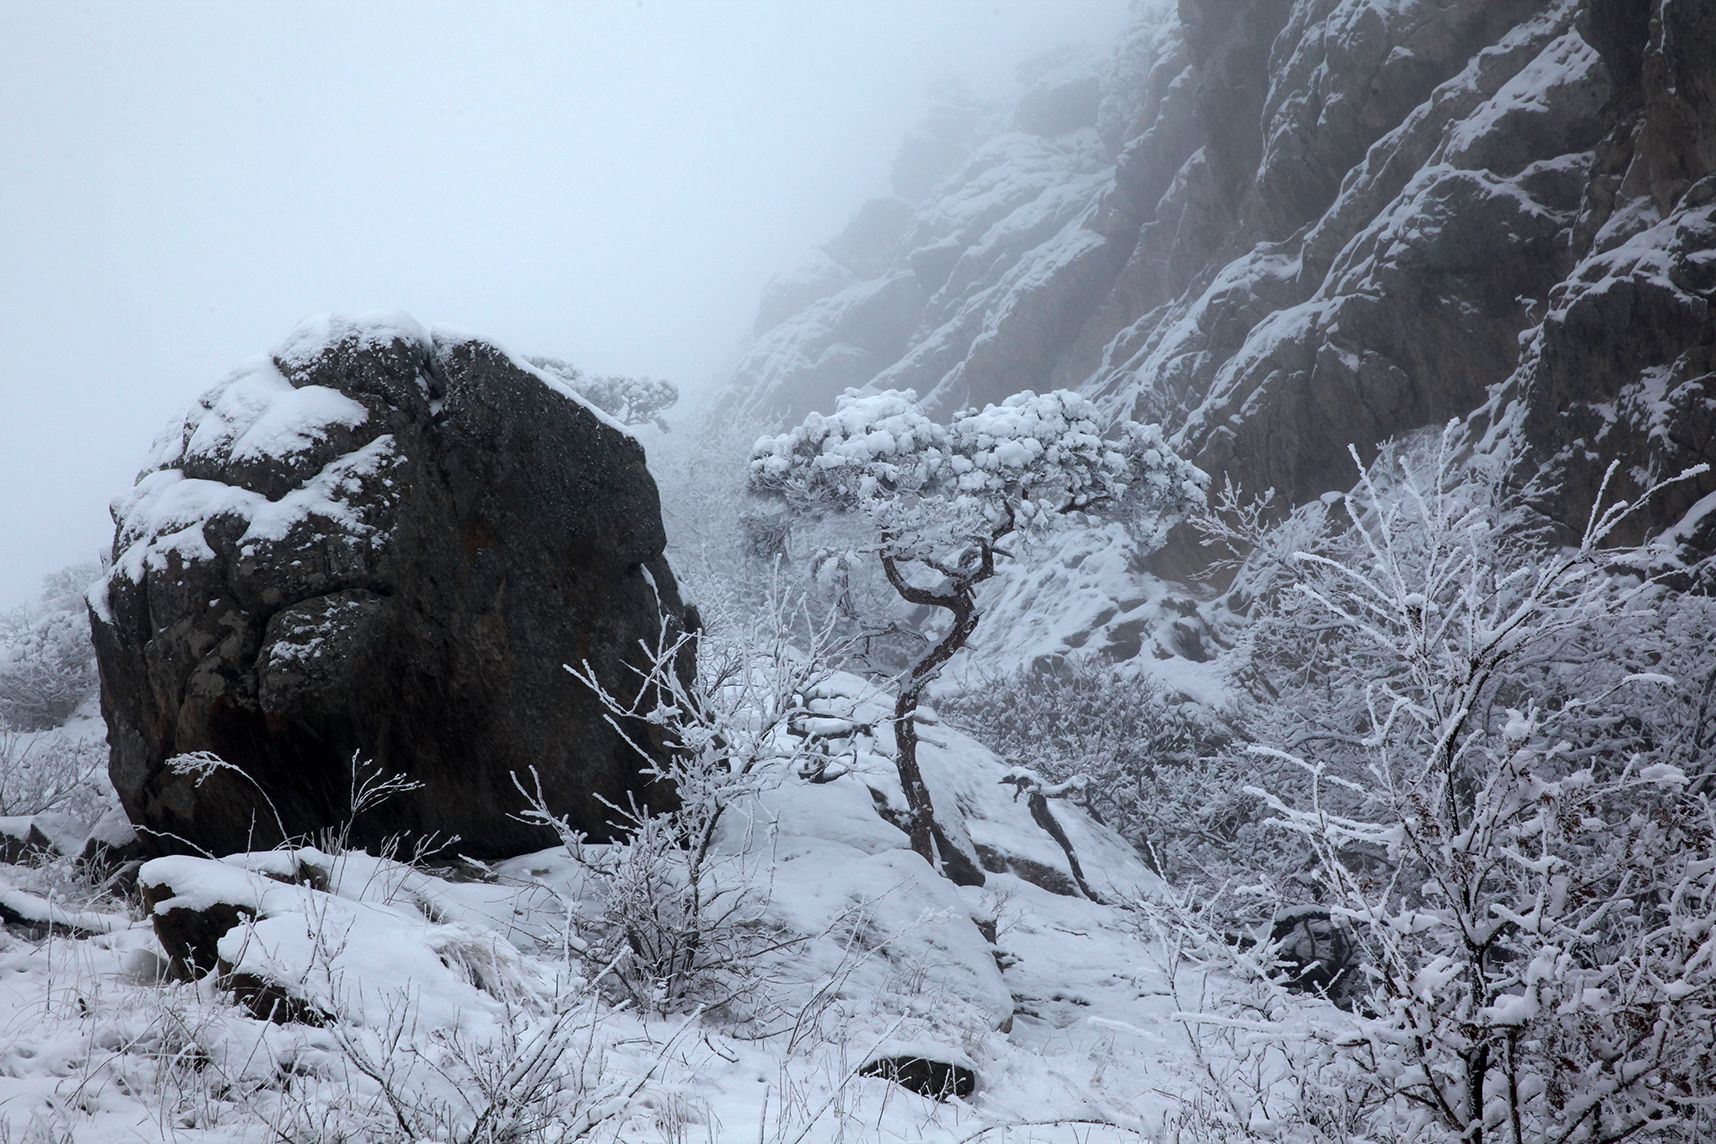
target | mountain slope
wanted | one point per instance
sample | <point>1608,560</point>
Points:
<point>1283,226</point>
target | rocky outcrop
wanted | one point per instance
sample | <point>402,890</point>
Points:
<point>1622,365</point>
<point>1295,225</point>
<point>381,545</point>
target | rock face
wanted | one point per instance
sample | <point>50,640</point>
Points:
<point>381,543</point>
<point>1291,225</point>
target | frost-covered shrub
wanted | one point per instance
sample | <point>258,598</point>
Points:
<point>1153,765</point>
<point>47,666</point>
<point>677,909</point>
<point>628,400</point>
<point>1494,749</point>
<point>539,1076</point>
<point>48,771</point>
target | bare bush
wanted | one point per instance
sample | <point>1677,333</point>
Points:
<point>47,666</point>
<point>680,906</point>
<point>42,771</point>
<point>1470,731</point>
<point>542,1076</point>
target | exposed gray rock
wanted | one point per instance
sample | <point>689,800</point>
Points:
<point>869,243</point>
<point>1316,954</point>
<point>379,544</point>
<point>1061,102</point>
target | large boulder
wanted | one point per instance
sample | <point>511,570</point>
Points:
<point>381,544</point>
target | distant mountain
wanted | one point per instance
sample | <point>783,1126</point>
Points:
<point>1283,226</point>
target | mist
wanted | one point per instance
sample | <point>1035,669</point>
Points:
<point>609,182</point>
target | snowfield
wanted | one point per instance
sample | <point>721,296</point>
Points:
<point>434,983</point>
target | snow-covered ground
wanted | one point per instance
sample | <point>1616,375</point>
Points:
<point>454,993</point>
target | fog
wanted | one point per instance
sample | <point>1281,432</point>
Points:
<point>611,182</point>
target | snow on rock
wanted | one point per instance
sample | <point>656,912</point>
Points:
<point>1047,1004</point>
<point>259,444</point>
<point>26,910</point>
<point>1619,368</point>
<point>302,935</point>
<point>905,948</point>
<point>313,336</point>
<point>1104,606</point>
<point>966,783</point>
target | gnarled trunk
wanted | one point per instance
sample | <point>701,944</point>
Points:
<point>929,839</point>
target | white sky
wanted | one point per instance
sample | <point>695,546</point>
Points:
<point>611,181</point>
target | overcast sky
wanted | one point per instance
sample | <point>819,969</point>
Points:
<point>610,181</point>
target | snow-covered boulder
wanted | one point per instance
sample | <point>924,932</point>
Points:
<point>381,543</point>
<point>833,844</point>
<point>864,812</point>
<point>301,935</point>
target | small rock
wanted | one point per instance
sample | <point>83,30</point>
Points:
<point>1318,954</point>
<point>112,851</point>
<point>938,1080</point>
<point>21,840</point>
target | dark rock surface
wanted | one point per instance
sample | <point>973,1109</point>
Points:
<point>22,840</point>
<point>382,544</point>
<point>1297,225</point>
<point>1623,364</point>
<point>1315,953</point>
<point>925,1076</point>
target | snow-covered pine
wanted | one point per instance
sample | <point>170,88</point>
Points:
<point>941,500</point>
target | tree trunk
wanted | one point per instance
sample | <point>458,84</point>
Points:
<point>927,836</point>
<point>1044,817</point>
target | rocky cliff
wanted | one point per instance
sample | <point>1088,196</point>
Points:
<point>1283,226</point>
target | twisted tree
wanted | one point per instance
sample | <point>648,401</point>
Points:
<point>942,499</point>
